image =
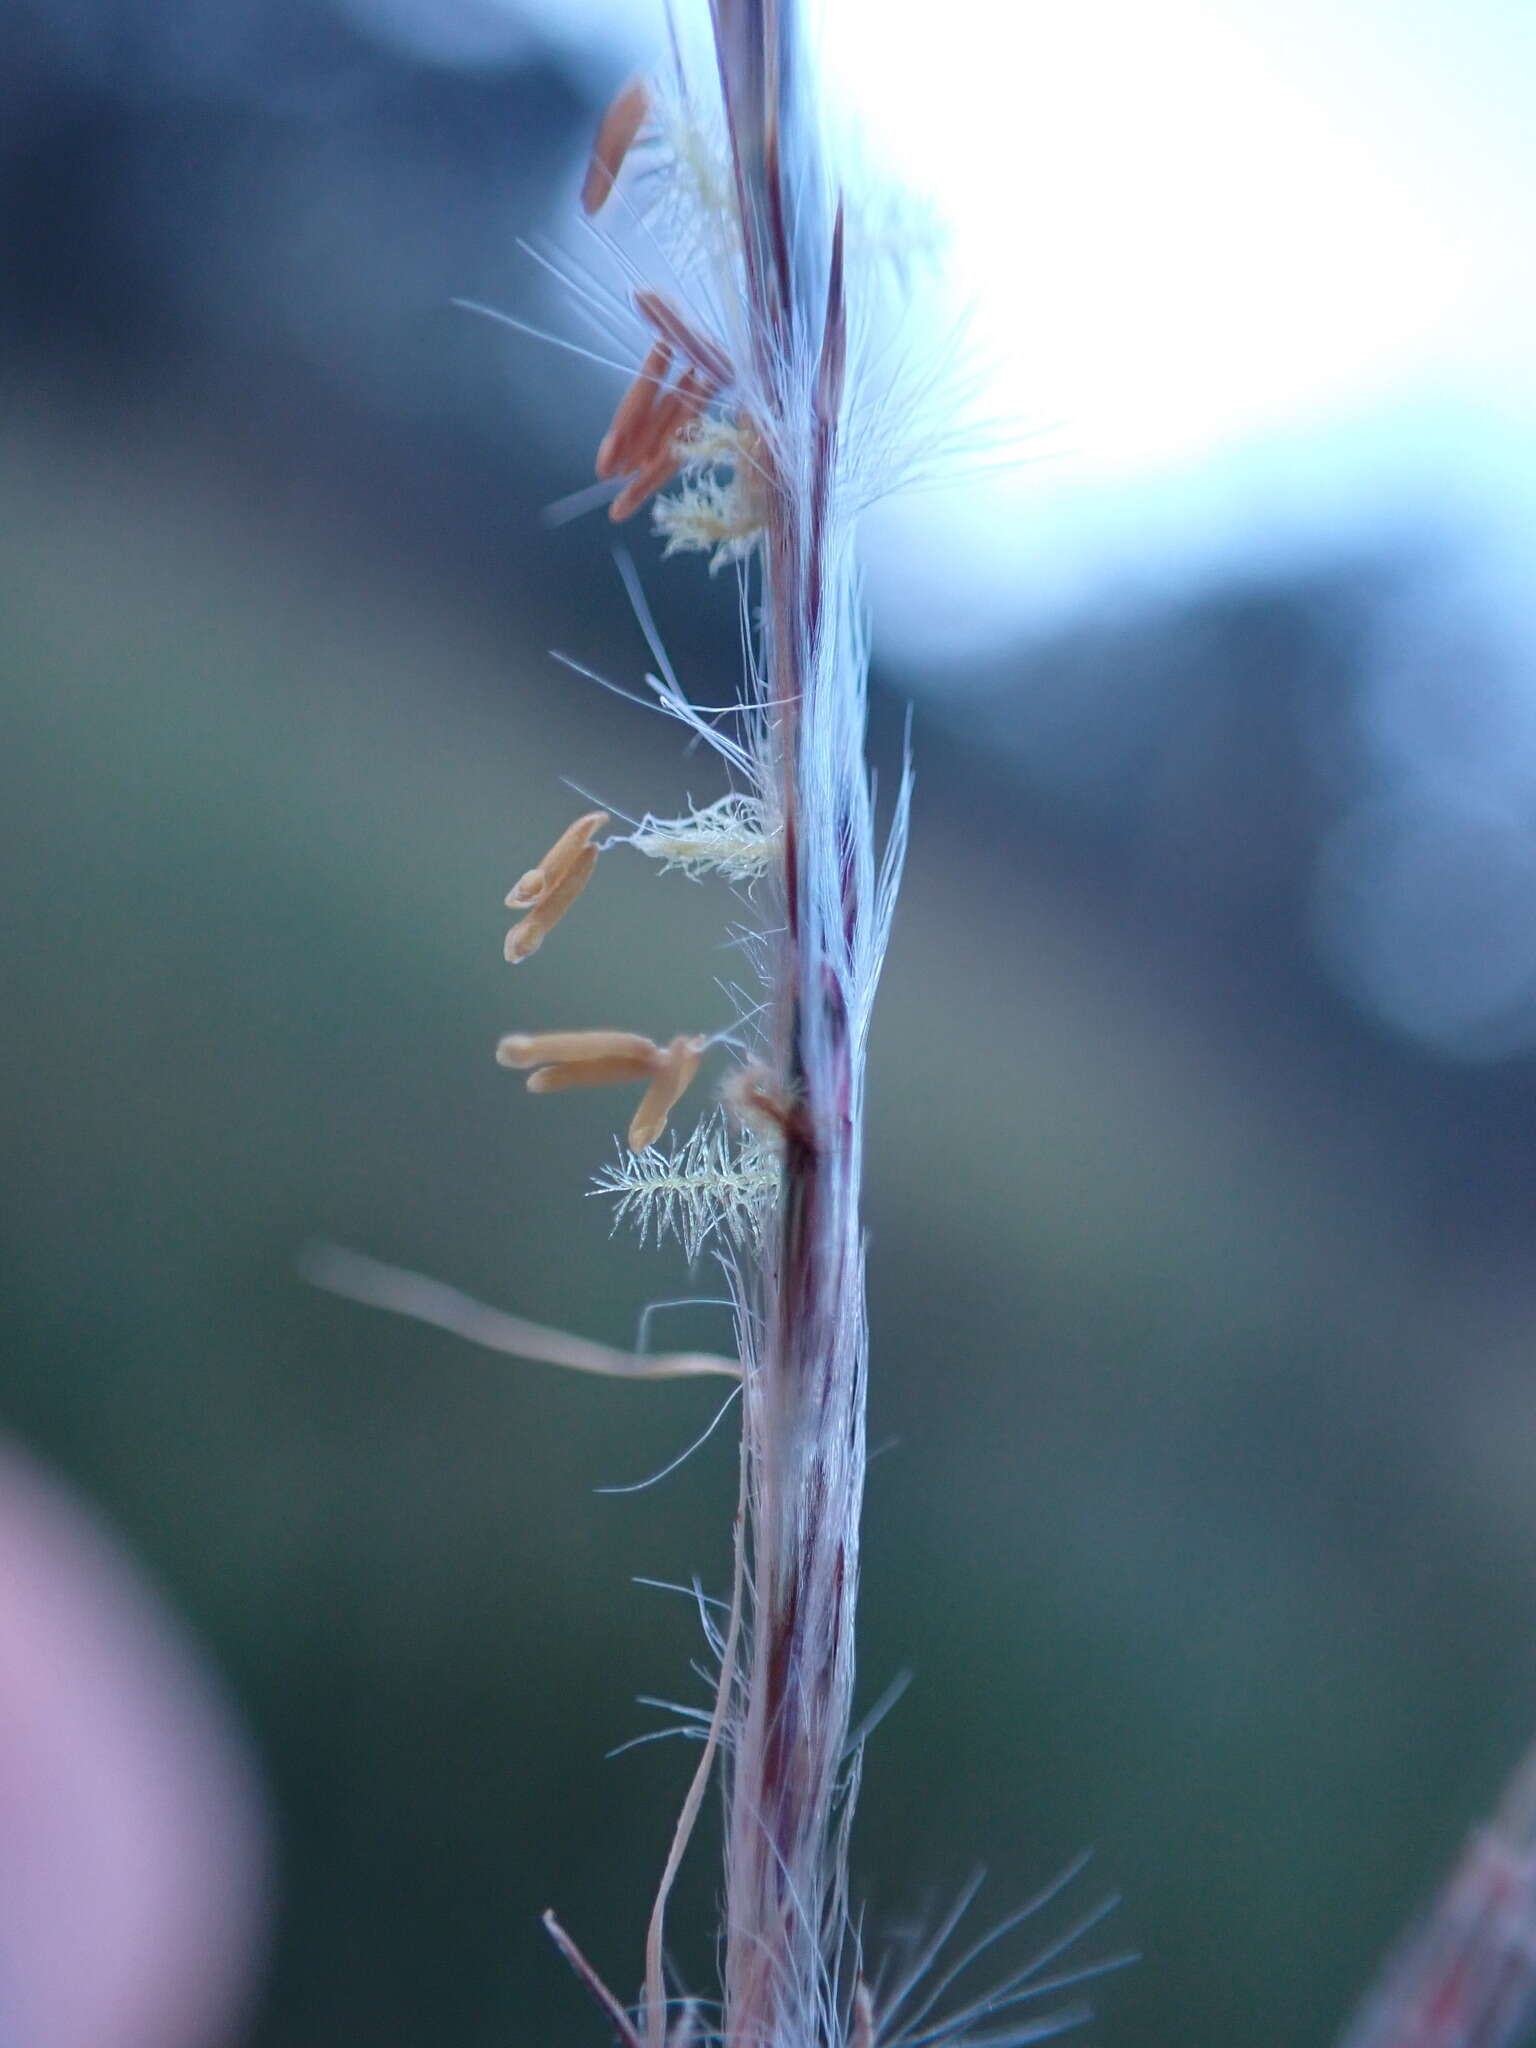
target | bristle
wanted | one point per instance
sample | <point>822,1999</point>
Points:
<point>752,424</point>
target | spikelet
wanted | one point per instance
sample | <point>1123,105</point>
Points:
<point>761,413</point>
<point>754,424</point>
<point>740,424</point>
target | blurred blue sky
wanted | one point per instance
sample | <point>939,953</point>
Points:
<point>1265,270</point>
<point>1261,274</point>
<point>1251,283</point>
<point>1261,279</point>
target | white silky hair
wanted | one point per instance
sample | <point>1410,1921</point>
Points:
<point>730,254</point>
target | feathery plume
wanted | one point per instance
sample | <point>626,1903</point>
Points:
<point>713,1183</point>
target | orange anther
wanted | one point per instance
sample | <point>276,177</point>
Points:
<point>616,134</point>
<point>559,1048</point>
<point>527,889</point>
<point>589,1074</point>
<point>645,483</point>
<point>672,1071</point>
<point>672,414</point>
<point>525,939</point>
<point>697,389</point>
<point>634,409</point>
<point>593,1059</point>
<point>651,449</point>
<point>535,885</point>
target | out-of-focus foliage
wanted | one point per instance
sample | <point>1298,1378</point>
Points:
<point>1202,1308</point>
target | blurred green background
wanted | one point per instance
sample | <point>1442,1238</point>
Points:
<point>1202,1305</point>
